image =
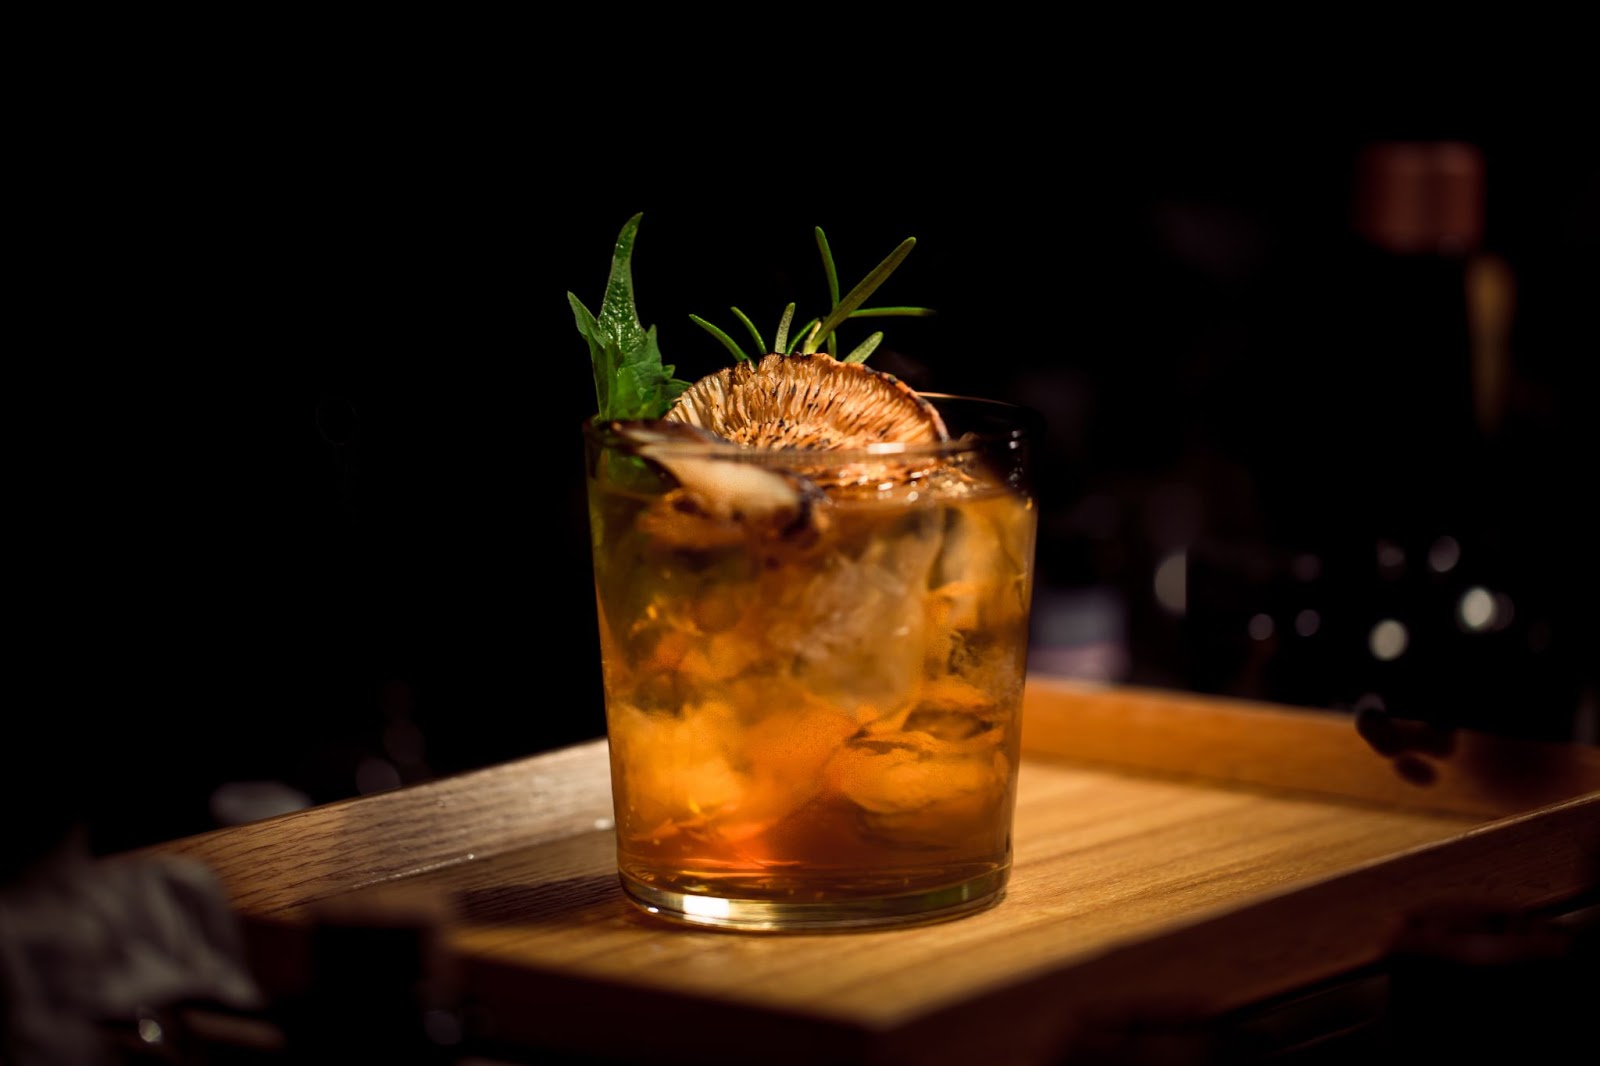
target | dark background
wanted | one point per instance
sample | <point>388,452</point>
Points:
<point>299,429</point>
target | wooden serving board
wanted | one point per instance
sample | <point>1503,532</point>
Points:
<point>1174,853</point>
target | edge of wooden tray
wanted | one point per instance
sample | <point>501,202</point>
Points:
<point>293,859</point>
<point>1288,940</point>
<point>1537,841</point>
<point>1303,750</point>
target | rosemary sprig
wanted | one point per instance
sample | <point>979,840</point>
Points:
<point>823,332</point>
<point>782,337</point>
<point>727,341</point>
<point>833,283</point>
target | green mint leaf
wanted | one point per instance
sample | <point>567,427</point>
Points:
<point>618,317</point>
<point>604,360</point>
<point>630,379</point>
<point>645,387</point>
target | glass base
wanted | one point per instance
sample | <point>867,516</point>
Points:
<point>708,910</point>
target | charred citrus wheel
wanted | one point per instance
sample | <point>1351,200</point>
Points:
<point>719,502</point>
<point>808,401</point>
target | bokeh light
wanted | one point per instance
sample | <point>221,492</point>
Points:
<point>1388,640</point>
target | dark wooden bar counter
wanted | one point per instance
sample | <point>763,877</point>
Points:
<point>1176,855</point>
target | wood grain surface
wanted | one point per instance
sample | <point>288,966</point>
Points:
<point>1173,853</point>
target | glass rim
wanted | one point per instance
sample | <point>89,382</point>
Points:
<point>1004,424</point>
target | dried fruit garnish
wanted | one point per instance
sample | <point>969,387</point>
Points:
<point>808,401</point>
<point>718,502</point>
<point>786,400</point>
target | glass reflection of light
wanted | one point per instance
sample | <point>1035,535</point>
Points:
<point>1172,583</point>
<point>1388,640</point>
<point>1307,622</point>
<point>705,907</point>
<point>1261,627</point>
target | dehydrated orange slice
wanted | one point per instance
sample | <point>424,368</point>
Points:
<point>719,501</point>
<point>808,401</point>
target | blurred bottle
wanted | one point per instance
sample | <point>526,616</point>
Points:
<point>1406,559</point>
<point>1419,212</point>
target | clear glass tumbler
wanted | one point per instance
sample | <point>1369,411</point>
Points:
<point>813,666</point>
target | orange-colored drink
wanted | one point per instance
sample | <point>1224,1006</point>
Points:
<point>813,702</point>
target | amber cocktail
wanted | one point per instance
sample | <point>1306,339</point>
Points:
<point>813,668</point>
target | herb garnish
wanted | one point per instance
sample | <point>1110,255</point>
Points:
<point>631,381</point>
<point>822,331</point>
